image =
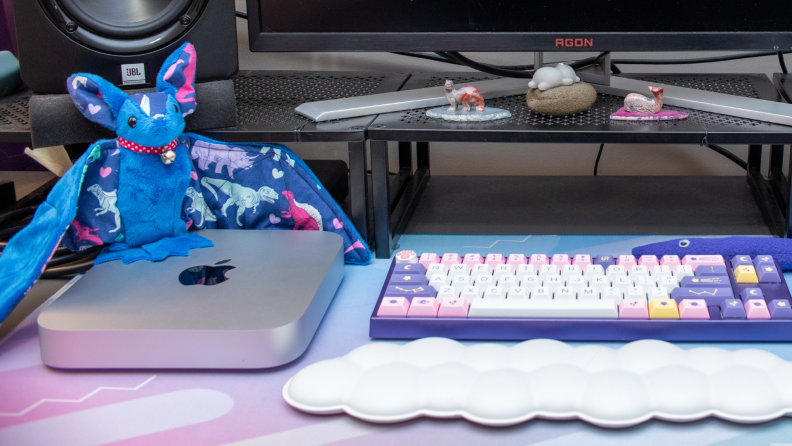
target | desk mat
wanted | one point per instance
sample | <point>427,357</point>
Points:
<point>40,405</point>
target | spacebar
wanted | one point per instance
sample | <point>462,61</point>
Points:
<point>605,308</point>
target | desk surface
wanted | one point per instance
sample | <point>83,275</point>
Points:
<point>39,405</point>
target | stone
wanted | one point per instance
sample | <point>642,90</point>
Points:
<point>563,100</point>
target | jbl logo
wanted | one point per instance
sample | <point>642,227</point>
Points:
<point>132,74</point>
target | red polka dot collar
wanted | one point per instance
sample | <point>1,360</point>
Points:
<point>129,145</point>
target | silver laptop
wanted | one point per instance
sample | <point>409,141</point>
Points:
<point>254,300</point>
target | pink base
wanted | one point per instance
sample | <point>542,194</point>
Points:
<point>662,115</point>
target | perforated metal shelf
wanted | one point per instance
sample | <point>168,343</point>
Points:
<point>594,124</point>
<point>14,122</point>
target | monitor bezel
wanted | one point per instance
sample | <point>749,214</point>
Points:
<point>485,42</point>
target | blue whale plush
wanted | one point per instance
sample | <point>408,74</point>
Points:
<point>141,193</point>
<point>780,248</point>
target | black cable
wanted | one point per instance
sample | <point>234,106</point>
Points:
<point>614,68</point>
<point>60,271</point>
<point>17,214</point>
<point>241,15</point>
<point>462,60</point>
<point>437,58</point>
<point>596,164</point>
<point>729,155</point>
<point>782,63</point>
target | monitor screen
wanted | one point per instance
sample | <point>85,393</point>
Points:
<point>518,25</point>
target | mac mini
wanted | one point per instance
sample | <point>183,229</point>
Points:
<point>254,300</point>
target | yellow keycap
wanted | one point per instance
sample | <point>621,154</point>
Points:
<point>745,274</point>
<point>663,309</point>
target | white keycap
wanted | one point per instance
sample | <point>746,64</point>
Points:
<point>615,271</point>
<point>471,293</point>
<point>525,270</point>
<point>576,282</point>
<point>459,269</point>
<point>644,281</point>
<point>541,292</point>
<point>563,292</point>
<point>570,271</point>
<point>683,271</point>
<point>598,281</point>
<point>484,281</point>
<point>622,282</point>
<point>438,281</point>
<point>669,282</point>
<point>503,270</point>
<point>594,270</point>
<point>612,293</point>
<point>635,292</point>
<point>517,292</point>
<point>553,281</point>
<point>461,281</point>
<point>507,282</point>
<point>658,293</point>
<point>436,268</point>
<point>447,291</point>
<point>530,282</point>
<point>434,274</point>
<point>544,308</point>
<point>661,271</point>
<point>494,292</point>
<point>480,269</point>
<point>548,270</point>
<point>588,293</point>
<point>639,271</point>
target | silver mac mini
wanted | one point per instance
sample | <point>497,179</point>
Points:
<point>252,301</point>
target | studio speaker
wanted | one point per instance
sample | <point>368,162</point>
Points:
<point>124,41</point>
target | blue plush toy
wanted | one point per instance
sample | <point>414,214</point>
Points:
<point>780,248</point>
<point>142,192</point>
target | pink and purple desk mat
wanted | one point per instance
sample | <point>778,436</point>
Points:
<point>39,405</point>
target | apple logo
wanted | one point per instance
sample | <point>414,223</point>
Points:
<point>205,274</point>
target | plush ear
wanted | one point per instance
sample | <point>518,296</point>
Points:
<point>177,77</point>
<point>96,98</point>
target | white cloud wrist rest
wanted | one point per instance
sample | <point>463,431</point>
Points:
<point>499,386</point>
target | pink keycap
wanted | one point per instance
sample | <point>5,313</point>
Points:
<point>494,260</point>
<point>582,260</point>
<point>450,259</point>
<point>560,260</point>
<point>626,261</point>
<point>454,307</point>
<point>757,309</point>
<point>633,309</point>
<point>670,261</point>
<point>649,261</point>
<point>516,260</point>
<point>394,306</point>
<point>695,261</point>
<point>693,309</point>
<point>538,260</point>
<point>472,260</point>
<point>428,258</point>
<point>423,307</point>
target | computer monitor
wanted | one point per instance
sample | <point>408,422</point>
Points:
<point>518,25</point>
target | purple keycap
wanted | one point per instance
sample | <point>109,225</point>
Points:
<point>713,296</point>
<point>740,260</point>
<point>768,273</point>
<point>733,309</point>
<point>409,268</point>
<point>780,309</point>
<point>705,282</point>
<point>763,260</point>
<point>711,270</point>
<point>751,293</point>
<point>408,280</point>
<point>410,291</point>
<point>715,312</point>
<point>605,261</point>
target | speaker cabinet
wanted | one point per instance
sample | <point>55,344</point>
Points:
<point>123,41</point>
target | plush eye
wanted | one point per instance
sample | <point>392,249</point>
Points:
<point>132,121</point>
<point>684,243</point>
<point>175,108</point>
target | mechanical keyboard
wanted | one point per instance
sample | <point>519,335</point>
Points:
<point>583,297</point>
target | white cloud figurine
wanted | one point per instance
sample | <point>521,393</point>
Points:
<point>499,386</point>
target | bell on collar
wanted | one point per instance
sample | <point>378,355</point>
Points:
<point>168,156</point>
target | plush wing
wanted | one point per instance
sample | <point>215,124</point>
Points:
<point>262,186</point>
